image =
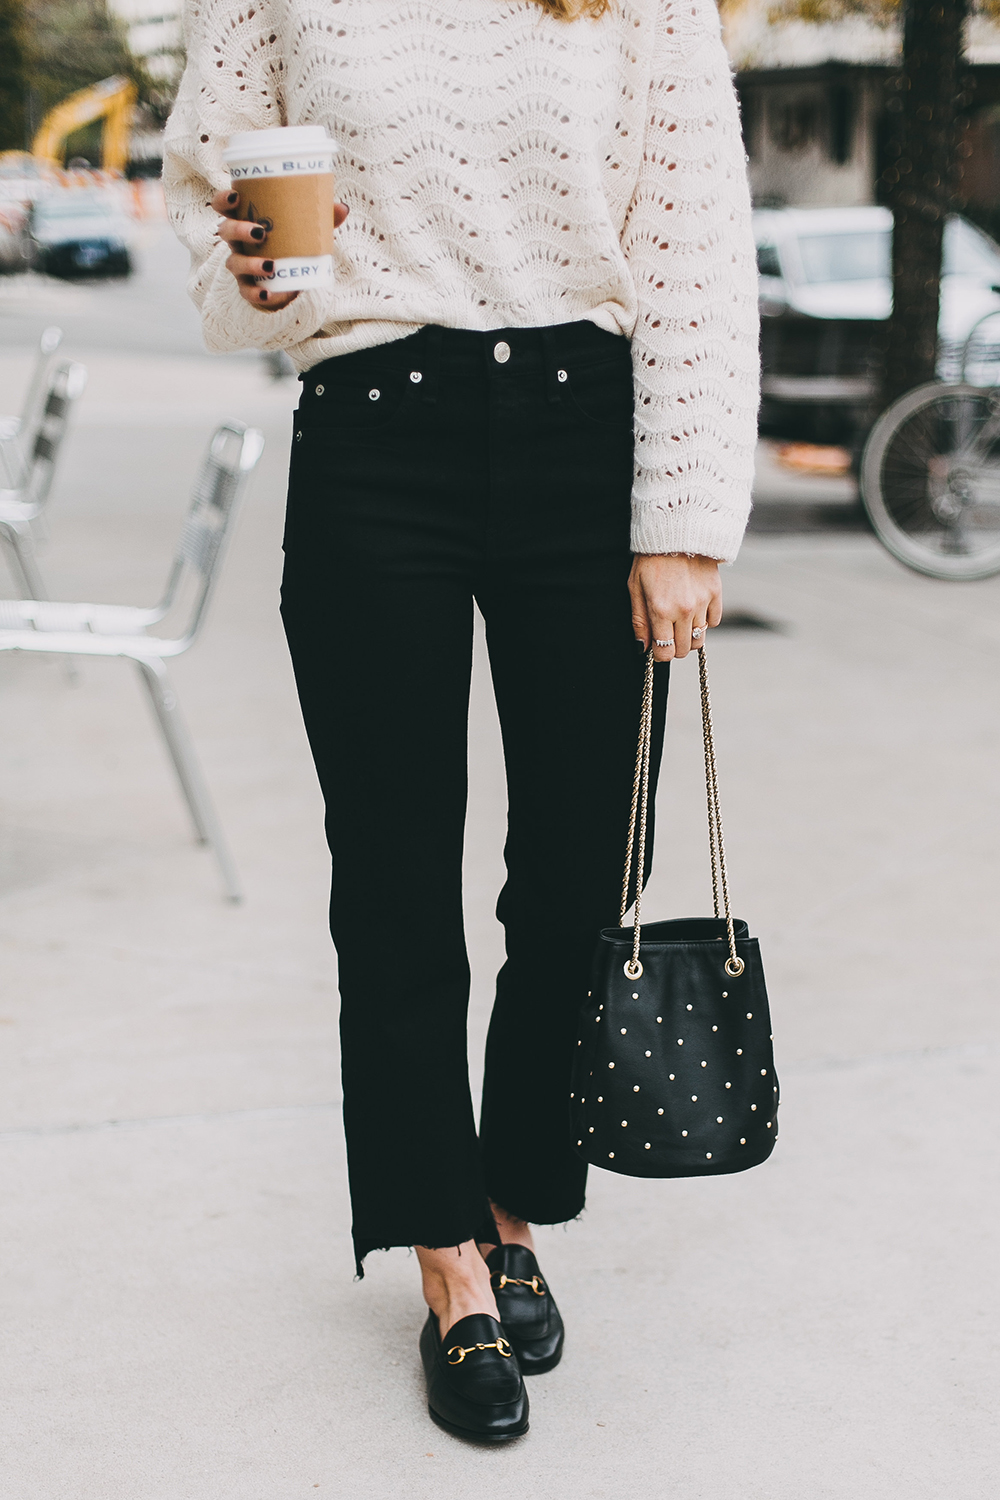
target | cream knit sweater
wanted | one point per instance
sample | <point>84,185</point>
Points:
<point>507,169</point>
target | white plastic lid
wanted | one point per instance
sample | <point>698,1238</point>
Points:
<point>252,145</point>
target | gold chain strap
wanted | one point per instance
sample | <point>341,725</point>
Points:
<point>640,798</point>
<point>717,846</point>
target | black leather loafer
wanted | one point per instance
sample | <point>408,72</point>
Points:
<point>528,1311</point>
<point>474,1385</point>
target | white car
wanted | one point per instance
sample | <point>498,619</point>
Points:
<point>80,232</point>
<point>825,289</point>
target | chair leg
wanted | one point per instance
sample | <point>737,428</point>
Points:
<point>21,552</point>
<point>181,750</point>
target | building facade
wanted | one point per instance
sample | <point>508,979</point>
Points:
<point>154,35</point>
<point>813,99</point>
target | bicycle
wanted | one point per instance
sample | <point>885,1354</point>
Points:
<point>930,471</point>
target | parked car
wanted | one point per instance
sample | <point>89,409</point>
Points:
<point>24,178</point>
<point>81,233</point>
<point>825,293</point>
<point>16,249</point>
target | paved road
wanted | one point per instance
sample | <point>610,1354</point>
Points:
<point>181,1318</point>
<point>149,313</point>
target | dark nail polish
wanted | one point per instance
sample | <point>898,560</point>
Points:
<point>257,233</point>
<point>268,267</point>
<point>233,198</point>
<point>639,646</point>
<point>263,296</point>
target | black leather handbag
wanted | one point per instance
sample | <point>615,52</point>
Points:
<point>673,1072</point>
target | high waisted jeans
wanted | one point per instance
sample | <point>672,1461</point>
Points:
<point>448,467</point>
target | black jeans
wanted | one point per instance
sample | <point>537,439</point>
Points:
<point>427,473</point>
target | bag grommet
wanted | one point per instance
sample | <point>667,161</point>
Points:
<point>633,968</point>
<point>735,967</point>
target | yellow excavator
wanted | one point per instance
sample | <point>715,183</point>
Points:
<point>113,100</point>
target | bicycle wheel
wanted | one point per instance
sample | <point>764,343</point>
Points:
<point>930,480</point>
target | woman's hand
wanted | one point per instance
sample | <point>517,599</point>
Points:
<point>672,597</point>
<point>244,240</point>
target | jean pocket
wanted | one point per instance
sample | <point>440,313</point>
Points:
<point>602,394</point>
<point>352,403</point>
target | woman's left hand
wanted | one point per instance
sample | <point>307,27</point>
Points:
<point>245,237</point>
<point>673,597</point>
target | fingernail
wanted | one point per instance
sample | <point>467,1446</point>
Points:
<point>257,233</point>
<point>262,296</point>
<point>233,198</point>
<point>641,646</point>
<point>268,266</point>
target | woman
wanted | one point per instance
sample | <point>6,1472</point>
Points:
<point>543,320</point>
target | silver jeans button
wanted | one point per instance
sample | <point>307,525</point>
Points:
<point>416,377</point>
<point>501,352</point>
<point>320,389</point>
<point>373,395</point>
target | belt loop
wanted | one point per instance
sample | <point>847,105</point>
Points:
<point>432,374</point>
<point>549,360</point>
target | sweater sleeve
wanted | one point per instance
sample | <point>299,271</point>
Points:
<point>240,61</point>
<point>689,244</point>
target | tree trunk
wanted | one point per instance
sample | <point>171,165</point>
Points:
<point>926,100</point>
<point>13,75</point>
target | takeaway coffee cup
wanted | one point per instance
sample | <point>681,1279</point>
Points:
<point>285,181</point>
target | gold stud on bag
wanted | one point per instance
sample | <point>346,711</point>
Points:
<point>674,1070</point>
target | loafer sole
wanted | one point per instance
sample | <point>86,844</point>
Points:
<point>491,1438</point>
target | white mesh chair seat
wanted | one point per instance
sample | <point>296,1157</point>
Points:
<point>81,643</point>
<point>47,616</point>
<point>14,509</point>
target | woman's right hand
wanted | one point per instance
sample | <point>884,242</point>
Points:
<point>244,239</point>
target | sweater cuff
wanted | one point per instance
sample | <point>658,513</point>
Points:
<point>229,323</point>
<point>695,523</point>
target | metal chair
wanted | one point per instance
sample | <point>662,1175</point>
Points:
<point>17,433</point>
<point>20,507</point>
<point>122,630</point>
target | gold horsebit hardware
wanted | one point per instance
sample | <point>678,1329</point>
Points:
<point>500,1345</point>
<point>536,1283</point>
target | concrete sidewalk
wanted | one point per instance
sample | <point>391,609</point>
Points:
<point>182,1319</point>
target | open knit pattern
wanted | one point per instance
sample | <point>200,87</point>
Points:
<point>507,169</point>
